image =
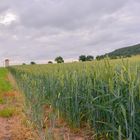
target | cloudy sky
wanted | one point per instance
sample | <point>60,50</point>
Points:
<point>40,30</point>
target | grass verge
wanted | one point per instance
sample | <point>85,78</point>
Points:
<point>7,112</point>
<point>5,85</point>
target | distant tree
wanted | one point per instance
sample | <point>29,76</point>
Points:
<point>50,62</point>
<point>32,63</point>
<point>59,59</point>
<point>23,63</point>
<point>82,58</point>
<point>97,57</point>
<point>89,58</point>
<point>100,57</point>
<point>128,55</point>
<point>113,57</point>
<point>124,56</point>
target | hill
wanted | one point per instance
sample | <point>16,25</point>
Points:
<point>123,52</point>
<point>131,50</point>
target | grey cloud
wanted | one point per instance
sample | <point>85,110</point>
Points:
<point>67,14</point>
<point>47,28</point>
<point>61,13</point>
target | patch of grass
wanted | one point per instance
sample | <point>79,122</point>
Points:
<point>5,85</point>
<point>7,112</point>
<point>2,101</point>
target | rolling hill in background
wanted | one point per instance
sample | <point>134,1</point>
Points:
<point>131,50</point>
<point>123,52</point>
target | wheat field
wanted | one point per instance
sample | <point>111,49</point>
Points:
<point>105,94</point>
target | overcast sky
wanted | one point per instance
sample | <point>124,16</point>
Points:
<point>40,30</point>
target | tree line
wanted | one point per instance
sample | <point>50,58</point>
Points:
<point>84,58</point>
<point>60,59</point>
<point>112,56</point>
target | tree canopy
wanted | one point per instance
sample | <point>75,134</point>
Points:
<point>86,58</point>
<point>32,63</point>
<point>50,62</point>
<point>90,58</point>
<point>59,59</point>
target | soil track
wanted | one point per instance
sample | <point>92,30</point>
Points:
<point>14,127</point>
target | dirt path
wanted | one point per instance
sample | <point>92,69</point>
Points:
<point>5,129</point>
<point>13,122</point>
<point>12,125</point>
<point>5,126</point>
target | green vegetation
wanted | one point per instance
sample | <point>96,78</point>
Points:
<point>127,51</point>
<point>5,86</point>
<point>86,58</point>
<point>32,63</point>
<point>82,58</point>
<point>122,52</point>
<point>50,62</point>
<point>90,58</point>
<point>2,101</point>
<point>59,59</point>
<point>105,95</point>
<point>7,112</point>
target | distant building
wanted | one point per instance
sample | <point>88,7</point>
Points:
<point>6,62</point>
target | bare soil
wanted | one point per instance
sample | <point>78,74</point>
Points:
<point>14,127</point>
<point>58,129</point>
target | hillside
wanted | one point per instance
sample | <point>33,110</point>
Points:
<point>131,50</point>
<point>123,52</point>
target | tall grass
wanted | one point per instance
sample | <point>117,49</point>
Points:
<point>5,85</point>
<point>104,95</point>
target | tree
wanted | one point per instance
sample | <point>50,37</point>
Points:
<point>82,58</point>
<point>128,55</point>
<point>23,63</point>
<point>100,57</point>
<point>89,58</point>
<point>59,59</point>
<point>113,57</point>
<point>50,62</point>
<point>32,63</point>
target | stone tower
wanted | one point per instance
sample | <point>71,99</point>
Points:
<point>6,62</point>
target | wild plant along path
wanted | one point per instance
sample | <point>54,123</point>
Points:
<point>13,123</point>
<point>5,128</point>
